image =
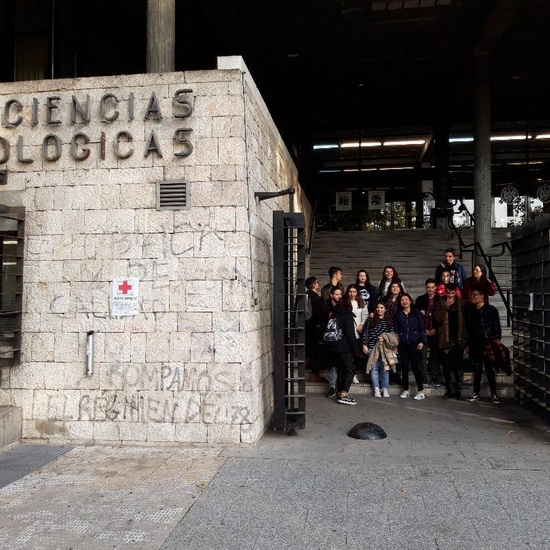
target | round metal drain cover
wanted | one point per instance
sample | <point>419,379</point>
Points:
<point>367,430</point>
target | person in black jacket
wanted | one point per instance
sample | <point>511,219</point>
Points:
<point>314,313</point>
<point>482,326</point>
<point>425,304</point>
<point>341,344</point>
<point>409,325</point>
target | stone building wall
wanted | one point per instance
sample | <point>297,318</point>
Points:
<point>194,366</point>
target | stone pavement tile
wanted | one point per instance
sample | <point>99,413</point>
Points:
<point>316,536</point>
<point>106,497</point>
<point>218,537</point>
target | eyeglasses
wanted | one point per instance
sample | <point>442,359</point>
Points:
<point>474,294</point>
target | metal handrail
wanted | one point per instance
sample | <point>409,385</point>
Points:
<point>312,225</point>
<point>477,249</point>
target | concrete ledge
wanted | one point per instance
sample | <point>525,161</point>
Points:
<point>10,426</point>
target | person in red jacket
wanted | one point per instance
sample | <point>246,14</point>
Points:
<point>478,281</point>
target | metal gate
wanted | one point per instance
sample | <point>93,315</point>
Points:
<point>12,235</point>
<point>289,321</point>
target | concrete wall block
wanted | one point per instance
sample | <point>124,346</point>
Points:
<point>28,430</point>
<point>80,431</point>
<point>224,434</point>
<point>133,432</point>
<point>91,298</point>
<point>41,346</point>
<point>237,244</point>
<point>158,347</point>
<point>71,271</point>
<point>91,271</point>
<point>128,245</point>
<point>177,296</point>
<point>252,433</point>
<point>228,126</point>
<point>111,197</point>
<point>223,377</point>
<point>223,268</point>
<point>39,247</point>
<point>225,172</point>
<point>191,433</point>
<point>202,347</point>
<point>197,173</point>
<point>138,347</point>
<point>132,378</point>
<point>188,321</point>
<point>111,376</point>
<point>55,376</point>
<point>236,296</point>
<point>66,347</point>
<point>226,321</point>
<point>142,323</point>
<point>214,408</point>
<point>75,376</point>
<point>232,193</point>
<point>231,347</point>
<point>231,150</point>
<point>44,198</point>
<point>173,246</point>
<point>153,221</point>
<point>180,346</point>
<point>106,431</point>
<point>95,221</point>
<point>113,268</point>
<point>117,348</point>
<point>205,194</point>
<point>241,219</point>
<point>32,377</point>
<point>206,151</point>
<point>203,295</point>
<point>195,269</point>
<point>154,245</point>
<point>209,244</point>
<point>154,298</point>
<point>166,322</point>
<point>123,220</point>
<point>162,432</point>
<point>223,218</point>
<point>23,399</point>
<point>31,322</point>
<point>197,218</point>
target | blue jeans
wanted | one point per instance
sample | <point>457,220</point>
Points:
<point>378,373</point>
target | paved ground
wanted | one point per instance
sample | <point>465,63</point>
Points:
<point>450,475</point>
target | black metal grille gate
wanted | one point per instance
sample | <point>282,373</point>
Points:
<point>289,321</point>
<point>12,235</point>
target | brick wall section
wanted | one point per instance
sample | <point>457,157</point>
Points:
<point>195,365</point>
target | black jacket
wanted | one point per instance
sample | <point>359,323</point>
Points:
<point>481,325</point>
<point>348,343</point>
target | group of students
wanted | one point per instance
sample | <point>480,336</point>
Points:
<point>381,330</point>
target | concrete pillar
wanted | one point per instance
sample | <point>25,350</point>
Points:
<point>482,152</point>
<point>161,35</point>
<point>441,185</point>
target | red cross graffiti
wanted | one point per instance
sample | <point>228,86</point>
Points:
<point>125,287</point>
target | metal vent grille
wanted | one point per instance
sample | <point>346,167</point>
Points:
<point>172,195</point>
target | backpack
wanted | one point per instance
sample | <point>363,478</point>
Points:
<point>333,330</point>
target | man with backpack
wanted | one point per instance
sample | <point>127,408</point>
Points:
<point>341,344</point>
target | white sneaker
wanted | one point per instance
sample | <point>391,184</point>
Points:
<point>355,380</point>
<point>385,392</point>
<point>405,394</point>
<point>377,392</point>
<point>420,395</point>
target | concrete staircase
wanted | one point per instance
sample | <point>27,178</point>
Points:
<point>415,254</point>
